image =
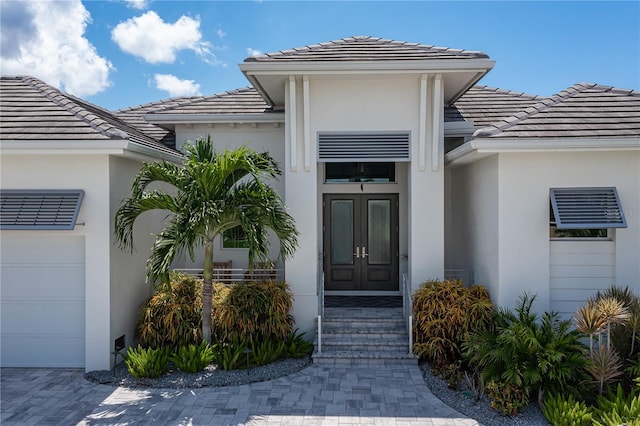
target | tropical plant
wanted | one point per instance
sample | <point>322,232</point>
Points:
<point>528,353</point>
<point>625,321</point>
<point>231,356</point>
<point>604,366</point>
<point>172,316</point>
<point>618,408</point>
<point>297,346</point>
<point>254,312</point>
<point>267,351</point>
<point>445,313</point>
<point>193,358</point>
<point>212,193</point>
<point>507,399</point>
<point>563,410</point>
<point>151,363</point>
<point>590,320</point>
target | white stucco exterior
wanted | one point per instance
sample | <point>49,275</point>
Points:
<point>114,281</point>
<point>500,220</point>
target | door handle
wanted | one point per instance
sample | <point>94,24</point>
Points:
<point>364,252</point>
<point>357,253</point>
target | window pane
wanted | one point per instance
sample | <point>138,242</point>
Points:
<point>379,231</point>
<point>234,238</point>
<point>342,232</point>
<point>360,172</point>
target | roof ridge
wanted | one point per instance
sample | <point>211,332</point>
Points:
<point>544,104</point>
<point>506,91</point>
<point>74,106</point>
<point>351,39</point>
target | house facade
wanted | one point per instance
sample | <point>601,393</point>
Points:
<point>398,168</point>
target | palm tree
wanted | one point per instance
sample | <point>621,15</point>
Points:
<point>212,193</point>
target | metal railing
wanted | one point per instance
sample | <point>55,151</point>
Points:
<point>407,309</point>
<point>320,309</point>
<point>233,276</point>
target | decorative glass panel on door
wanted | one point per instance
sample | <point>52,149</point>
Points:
<point>379,231</point>
<point>342,232</point>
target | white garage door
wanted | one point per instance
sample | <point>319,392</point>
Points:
<point>42,296</point>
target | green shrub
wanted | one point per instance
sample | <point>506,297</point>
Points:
<point>297,346</point>
<point>530,354</point>
<point>452,374</point>
<point>150,362</point>
<point>445,313</point>
<point>561,411</point>
<point>230,356</point>
<point>618,408</point>
<point>506,399</point>
<point>173,315</point>
<point>254,312</point>
<point>192,358</point>
<point>268,351</point>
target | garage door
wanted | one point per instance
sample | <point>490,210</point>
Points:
<point>42,296</point>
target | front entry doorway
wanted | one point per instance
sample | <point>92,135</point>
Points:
<point>360,242</point>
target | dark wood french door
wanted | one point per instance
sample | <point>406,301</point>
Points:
<point>360,242</point>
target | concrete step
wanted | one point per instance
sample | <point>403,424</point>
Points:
<point>363,358</point>
<point>363,313</point>
<point>356,336</point>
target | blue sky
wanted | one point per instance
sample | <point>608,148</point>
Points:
<point>124,53</point>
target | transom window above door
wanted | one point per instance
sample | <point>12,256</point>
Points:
<point>359,172</point>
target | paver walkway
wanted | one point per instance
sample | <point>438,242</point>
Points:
<point>317,395</point>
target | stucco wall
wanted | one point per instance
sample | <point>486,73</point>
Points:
<point>472,235</point>
<point>499,214</point>
<point>525,179</point>
<point>127,270</point>
<point>90,173</point>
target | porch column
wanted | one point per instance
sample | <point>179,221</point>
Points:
<point>426,187</point>
<point>300,178</point>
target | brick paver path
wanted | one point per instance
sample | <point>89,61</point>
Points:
<point>317,395</point>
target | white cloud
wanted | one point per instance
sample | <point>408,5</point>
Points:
<point>175,86</point>
<point>45,39</point>
<point>150,38</point>
<point>253,52</point>
<point>137,4</point>
<point>221,34</point>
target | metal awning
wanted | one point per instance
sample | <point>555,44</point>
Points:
<point>49,209</point>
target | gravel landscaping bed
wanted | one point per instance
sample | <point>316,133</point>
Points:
<point>462,401</point>
<point>209,377</point>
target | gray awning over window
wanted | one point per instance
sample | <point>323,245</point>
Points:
<point>363,146</point>
<point>587,208</point>
<point>39,209</point>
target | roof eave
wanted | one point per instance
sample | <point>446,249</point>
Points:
<point>324,67</point>
<point>121,147</point>
<point>482,147</point>
<point>165,119</point>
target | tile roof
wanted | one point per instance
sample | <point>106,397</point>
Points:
<point>366,48</point>
<point>33,110</point>
<point>582,110</point>
<point>245,100</point>
<point>485,105</point>
<point>134,116</point>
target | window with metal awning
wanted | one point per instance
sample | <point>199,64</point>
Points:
<point>49,209</point>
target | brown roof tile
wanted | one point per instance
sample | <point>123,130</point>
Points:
<point>366,48</point>
<point>582,110</point>
<point>33,110</point>
<point>485,105</point>
<point>240,101</point>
